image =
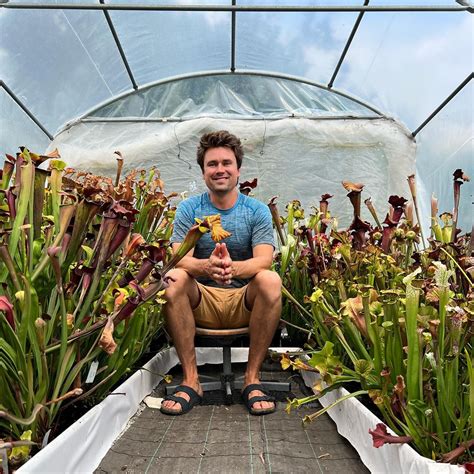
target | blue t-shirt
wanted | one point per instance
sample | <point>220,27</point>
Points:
<point>249,221</point>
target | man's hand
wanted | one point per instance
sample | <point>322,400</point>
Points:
<point>226,265</point>
<point>219,265</point>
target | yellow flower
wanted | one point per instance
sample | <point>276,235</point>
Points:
<point>159,297</point>
<point>316,296</point>
<point>218,233</point>
<point>318,386</point>
<point>210,223</point>
<point>285,362</point>
<point>300,365</point>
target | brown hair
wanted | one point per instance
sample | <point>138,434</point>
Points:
<point>221,138</point>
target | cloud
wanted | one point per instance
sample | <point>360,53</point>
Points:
<point>320,61</point>
<point>215,19</point>
<point>409,68</point>
<point>3,54</point>
<point>212,19</point>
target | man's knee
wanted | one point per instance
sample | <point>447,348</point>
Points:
<point>179,282</point>
<point>268,284</point>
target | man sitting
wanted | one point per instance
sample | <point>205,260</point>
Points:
<point>224,285</point>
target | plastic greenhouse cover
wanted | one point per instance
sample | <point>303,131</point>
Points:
<point>406,64</point>
<point>301,44</point>
<point>164,44</point>
<point>295,158</point>
<point>447,143</point>
<point>233,95</point>
<point>77,65</point>
<point>15,125</point>
<point>66,62</point>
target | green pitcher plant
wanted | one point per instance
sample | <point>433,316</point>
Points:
<point>391,317</point>
<point>83,264</point>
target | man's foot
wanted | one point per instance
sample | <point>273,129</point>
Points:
<point>257,400</point>
<point>182,401</point>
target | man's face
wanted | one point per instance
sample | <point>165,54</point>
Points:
<point>220,170</point>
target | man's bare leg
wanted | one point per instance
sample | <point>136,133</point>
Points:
<point>264,297</point>
<point>182,295</point>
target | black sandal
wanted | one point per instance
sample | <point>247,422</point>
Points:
<point>259,398</point>
<point>194,399</point>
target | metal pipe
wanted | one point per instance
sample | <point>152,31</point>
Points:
<point>347,45</point>
<point>119,47</point>
<point>443,104</point>
<point>245,117</point>
<point>240,8</point>
<point>226,360</point>
<point>25,109</point>
<point>232,40</point>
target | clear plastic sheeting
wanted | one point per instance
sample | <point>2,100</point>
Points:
<point>17,129</point>
<point>63,63</point>
<point>59,63</point>
<point>293,158</point>
<point>233,95</point>
<point>302,44</point>
<point>444,145</point>
<point>160,44</point>
<point>408,63</point>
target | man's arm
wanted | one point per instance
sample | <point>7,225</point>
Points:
<point>261,260</point>
<point>221,268</point>
<point>196,267</point>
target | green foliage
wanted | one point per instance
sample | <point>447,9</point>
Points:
<point>389,313</point>
<point>76,260</point>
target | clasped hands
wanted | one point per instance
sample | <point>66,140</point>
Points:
<point>219,265</point>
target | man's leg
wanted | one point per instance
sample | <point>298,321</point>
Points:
<point>181,296</point>
<point>264,298</point>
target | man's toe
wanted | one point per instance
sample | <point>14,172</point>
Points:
<point>260,405</point>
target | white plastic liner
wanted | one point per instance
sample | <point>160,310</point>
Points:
<point>354,420</point>
<point>295,158</point>
<point>83,445</point>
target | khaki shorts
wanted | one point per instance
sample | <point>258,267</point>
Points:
<point>221,308</point>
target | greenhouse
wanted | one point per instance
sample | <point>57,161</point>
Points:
<point>355,199</point>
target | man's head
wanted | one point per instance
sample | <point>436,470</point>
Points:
<point>221,138</point>
<point>220,156</point>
